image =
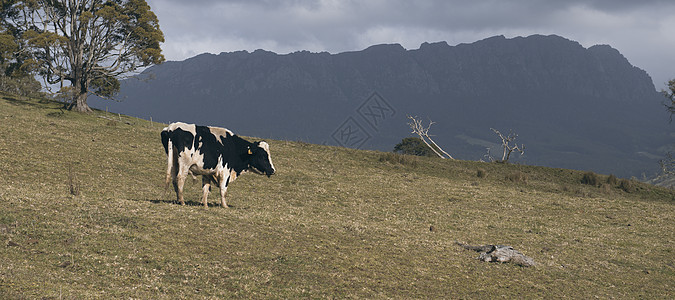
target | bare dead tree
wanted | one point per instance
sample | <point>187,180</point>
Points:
<point>488,156</point>
<point>423,132</point>
<point>506,145</point>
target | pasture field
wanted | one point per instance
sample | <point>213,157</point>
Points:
<point>84,214</point>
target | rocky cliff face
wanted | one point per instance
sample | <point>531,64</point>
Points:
<point>574,107</point>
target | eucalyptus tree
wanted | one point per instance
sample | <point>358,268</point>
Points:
<point>89,43</point>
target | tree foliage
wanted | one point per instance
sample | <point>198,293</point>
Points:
<point>413,146</point>
<point>90,43</point>
<point>14,78</point>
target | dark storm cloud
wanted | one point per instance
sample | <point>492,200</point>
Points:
<point>641,30</point>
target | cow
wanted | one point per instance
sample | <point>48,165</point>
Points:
<point>216,154</point>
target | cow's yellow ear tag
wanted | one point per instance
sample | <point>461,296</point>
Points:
<point>250,152</point>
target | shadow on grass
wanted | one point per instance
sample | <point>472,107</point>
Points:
<point>192,203</point>
<point>56,106</point>
<point>16,101</point>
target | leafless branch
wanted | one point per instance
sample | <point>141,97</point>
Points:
<point>506,145</point>
<point>488,156</point>
<point>423,132</point>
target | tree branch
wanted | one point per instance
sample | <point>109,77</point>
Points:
<point>423,133</point>
<point>507,148</point>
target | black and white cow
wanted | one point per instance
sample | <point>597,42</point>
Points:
<point>215,153</point>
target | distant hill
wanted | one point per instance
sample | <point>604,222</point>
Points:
<point>573,107</point>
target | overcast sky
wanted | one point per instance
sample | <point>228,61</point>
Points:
<point>642,30</point>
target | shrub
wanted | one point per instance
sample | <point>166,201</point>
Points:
<point>590,178</point>
<point>612,180</point>
<point>481,173</point>
<point>413,146</point>
<point>627,185</point>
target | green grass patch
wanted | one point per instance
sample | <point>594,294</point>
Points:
<point>332,223</point>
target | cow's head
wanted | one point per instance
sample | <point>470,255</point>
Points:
<point>260,159</point>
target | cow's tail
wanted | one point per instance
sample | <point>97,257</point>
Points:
<point>168,148</point>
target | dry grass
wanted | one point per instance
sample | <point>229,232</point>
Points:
<point>517,177</point>
<point>333,223</point>
<point>396,158</point>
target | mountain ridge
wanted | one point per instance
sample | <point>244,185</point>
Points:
<point>576,107</point>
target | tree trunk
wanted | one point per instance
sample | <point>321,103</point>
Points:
<point>432,148</point>
<point>80,103</point>
<point>81,86</point>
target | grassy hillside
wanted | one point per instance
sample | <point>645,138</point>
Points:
<point>84,214</point>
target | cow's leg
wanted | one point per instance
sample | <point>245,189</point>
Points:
<point>178,186</point>
<point>223,190</point>
<point>172,172</point>
<point>206,187</point>
<point>175,187</point>
<point>180,182</point>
